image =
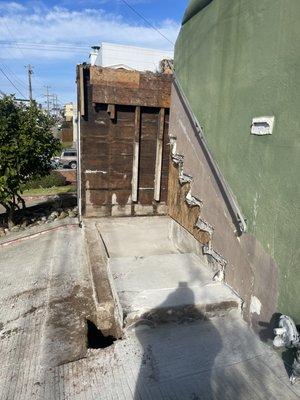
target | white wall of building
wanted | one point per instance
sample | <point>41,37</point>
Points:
<point>120,56</point>
<point>75,122</point>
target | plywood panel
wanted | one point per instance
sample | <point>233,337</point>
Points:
<point>114,77</point>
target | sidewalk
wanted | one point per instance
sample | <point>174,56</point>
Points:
<point>46,298</point>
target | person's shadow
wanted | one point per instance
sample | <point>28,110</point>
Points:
<point>179,350</point>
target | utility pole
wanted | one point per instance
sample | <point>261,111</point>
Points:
<point>56,105</point>
<point>30,72</point>
<point>47,95</point>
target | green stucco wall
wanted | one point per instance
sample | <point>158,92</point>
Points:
<point>239,59</point>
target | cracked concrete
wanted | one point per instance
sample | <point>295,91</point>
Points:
<point>45,297</point>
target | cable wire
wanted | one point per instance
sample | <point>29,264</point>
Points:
<point>12,83</point>
<point>12,36</point>
<point>147,22</point>
<point>19,81</point>
<point>46,48</point>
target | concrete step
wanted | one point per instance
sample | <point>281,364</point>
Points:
<point>136,236</point>
<point>169,287</point>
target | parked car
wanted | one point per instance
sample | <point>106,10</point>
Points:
<point>68,158</point>
<point>55,162</point>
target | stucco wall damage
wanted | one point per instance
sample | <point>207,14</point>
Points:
<point>248,268</point>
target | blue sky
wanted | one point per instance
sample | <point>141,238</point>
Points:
<point>54,36</point>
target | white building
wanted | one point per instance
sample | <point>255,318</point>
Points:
<point>129,57</point>
<point>75,122</point>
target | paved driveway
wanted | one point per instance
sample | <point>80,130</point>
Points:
<point>45,299</point>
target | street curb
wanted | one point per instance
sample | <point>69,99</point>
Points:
<point>27,236</point>
<point>109,316</point>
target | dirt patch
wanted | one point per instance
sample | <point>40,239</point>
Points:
<point>66,325</point>
<point>10,332</point>
<point>28,293</point>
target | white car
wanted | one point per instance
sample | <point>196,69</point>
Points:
<point>68,158</point>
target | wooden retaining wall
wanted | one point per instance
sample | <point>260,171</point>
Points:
<point>124,141</point>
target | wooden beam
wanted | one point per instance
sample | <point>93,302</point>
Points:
<point>111,109</point>
<point>133,97</point>
<point>81,90</point>
<point>136,153</point>
<point>159,153</point>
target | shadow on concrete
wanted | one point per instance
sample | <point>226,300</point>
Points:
<point>266,332</point>
<point>42,207</point>
<point>174,351</point>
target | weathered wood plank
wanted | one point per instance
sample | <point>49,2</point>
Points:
<point>111,110</point>
<point>159,153</point>
<point>116,153</point>
<point>134,97</point>
<point>136,150</point>
<point>81,90</point>
<point>114,77</point>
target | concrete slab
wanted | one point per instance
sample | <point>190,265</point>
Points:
<point>136,236</point>
<point>153,280</point>
<point>212,360</point>
<point>169,286</point>
<point>45,297</point>
<point>159,271</point>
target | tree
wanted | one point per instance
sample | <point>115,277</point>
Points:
<point>26,148</point>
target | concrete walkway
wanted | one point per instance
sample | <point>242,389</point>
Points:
<point>154,280</point>
<point>45,299</point>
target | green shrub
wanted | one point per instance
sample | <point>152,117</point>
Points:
<point>48,181</point>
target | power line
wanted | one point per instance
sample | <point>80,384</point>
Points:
<point>67,46</point>
<point>147,22</point>
<point>12,36</point>
<point>62,45</point>
<point>54,49</point>
<point>12,83</point>
<point>15,77</point>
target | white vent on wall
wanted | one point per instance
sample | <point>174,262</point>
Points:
<point>262,126</point>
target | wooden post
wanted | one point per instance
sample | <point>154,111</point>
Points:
<point>81,90</point>
<point>111,109</point>
<point>136,153</point>
<point>159,153</point>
